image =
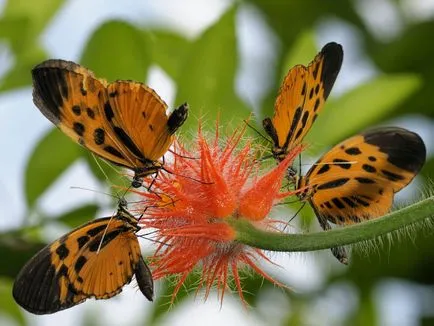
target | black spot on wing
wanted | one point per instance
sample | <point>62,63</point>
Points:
<point>369,168</point>
<point>99,136</point>
<point>268,126</point>
<point>97,229</point>
<point>90,113</point>
<point>114,152</point>
<point>79,128</point>
<point>405,149</point>
<point>365,180</point>
<point>76,110</point>
<point>62,251</point>
<point>353,151</point>
<point>332,61</point>
<point>81,241</point>
<point>128,142</point>
<point>392,176</point>
<point>333,184</point>
<point>338,203</point>
<point>295,120</point>
<point>323,169</point>
<point>103,240</point>
<point>80,263</point>
<point>349,202</point>
<point>108,111</point>
<point>343,164</point>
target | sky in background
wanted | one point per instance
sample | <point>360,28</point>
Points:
<point>22,125</point>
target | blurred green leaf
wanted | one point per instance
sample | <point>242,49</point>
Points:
<point>7,304</point>
<point>14,29</point>
<point>288,18</point>
<point>207,78</point>
<point>16,251</point>
<point>50,158</point>
<point>364,106</point>
<point>78,216</point>
<point>169,51</point>
<point>118,50</point>
<point>39,12</point>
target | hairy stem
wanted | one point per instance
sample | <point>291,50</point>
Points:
<point>249,235</point>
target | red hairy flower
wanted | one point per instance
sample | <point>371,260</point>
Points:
<point>190,205</point>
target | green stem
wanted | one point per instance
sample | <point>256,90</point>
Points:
<point>249,235</point>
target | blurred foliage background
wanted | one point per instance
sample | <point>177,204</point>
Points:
<point>233,65</point>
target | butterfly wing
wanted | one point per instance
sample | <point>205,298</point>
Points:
<point>94,260</point>
<point>357,179</point>
<point>123,122</point>
<point>138,117</point>
<point>301,98</point>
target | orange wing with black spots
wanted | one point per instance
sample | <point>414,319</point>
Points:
<point>357,179</point>
<point>124,122</point>
<point>301,97</point>
<point>93,261</point>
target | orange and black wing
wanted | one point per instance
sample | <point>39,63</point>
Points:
<point>95,260</point>
<point>357,179</point>
<point>123,122</point>
<point>301,97</point>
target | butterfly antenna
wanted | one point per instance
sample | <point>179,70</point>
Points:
<point>187,177</point>
<point>296,213</point>
<point>257,131</point>
<point>183,156</point>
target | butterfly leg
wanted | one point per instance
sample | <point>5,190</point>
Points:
<point>339,252</point>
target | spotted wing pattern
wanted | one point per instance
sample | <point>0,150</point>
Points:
<point>95,260</point>
<point>357,179</point>
<point>301,97</point>
<point>124,122</point>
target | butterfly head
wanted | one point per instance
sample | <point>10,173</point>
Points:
<point>148,168</point>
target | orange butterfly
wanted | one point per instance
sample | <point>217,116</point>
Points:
<point>356,179</point>
<point>124,122</point>
<point>301,97</point>
<point>95,260</point>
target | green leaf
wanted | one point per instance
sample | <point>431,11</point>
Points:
<point>50,158</point>
<point>169,51</point>
<point>78,216</point>
<point>39,12</point>
<point>14,29</point>
<point>16,251</point>
<point>118,50</point>
<point>365,105</point>
<point>207,77</point>
<point>7,304</point>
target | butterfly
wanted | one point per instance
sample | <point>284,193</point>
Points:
<point>346,185</point>
<point>124,122</point>
<point>357,179</point>
<point>95,260</point>
<point>301,97</point>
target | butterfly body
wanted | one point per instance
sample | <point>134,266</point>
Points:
<point>95,260</point>
<point>124,122</point>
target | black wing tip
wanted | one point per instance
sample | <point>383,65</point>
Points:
<point>333,55</point>
<point>178,117</point>
<point>57,64</point>
<point>405,148</point>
